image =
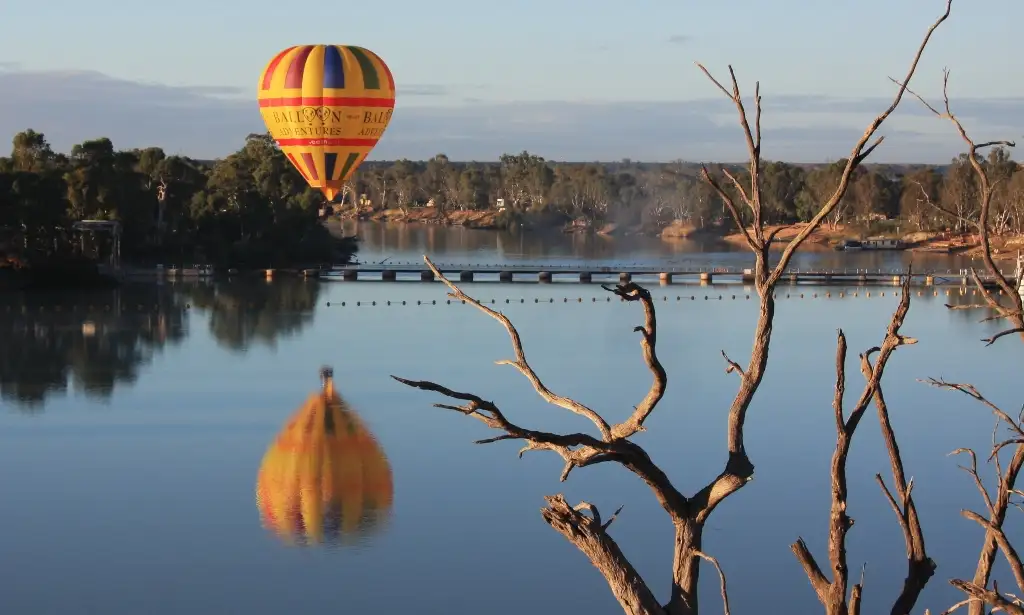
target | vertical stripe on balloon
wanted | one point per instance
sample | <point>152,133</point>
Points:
<point>268,74</point>
<point>313,73</point>
<point>293,79</point>
<point>330,160</point>
<point>370,79</point>
<point>387,71</point>
<point>349,162</point>
<point>334,68</point>
<point>310,165</point>
<point>296,164</point>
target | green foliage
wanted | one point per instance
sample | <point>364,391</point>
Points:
<point>251,209</point>
<point>536,191</point>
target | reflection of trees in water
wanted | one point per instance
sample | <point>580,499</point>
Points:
<point>968,296</point>
<point>462,244</point>
<point>459,241</point>
<point>244,312</point>
<point>94,340</point>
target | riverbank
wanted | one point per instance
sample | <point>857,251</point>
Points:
<point>825,238</point>
<point>965,244</point>
<point>478,219</point>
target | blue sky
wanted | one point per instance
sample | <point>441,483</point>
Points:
<point>457,53</point>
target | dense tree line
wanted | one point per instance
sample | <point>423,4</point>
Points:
<point>250,209</point>
<point>655,194</point>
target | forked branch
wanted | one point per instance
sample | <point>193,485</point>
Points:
<point>648,347</point>
<point>520,362</point>
<point>590,536</point>
<point>861,150</point>
<point>1014,313</point>
<point>982,596</point>
<point>612,443</point>
<point>920,567</point>
<point>996,507</point>
<point>739,468</point>
<point>833,594</point>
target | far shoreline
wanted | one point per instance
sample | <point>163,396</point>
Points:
<point>825,238</point>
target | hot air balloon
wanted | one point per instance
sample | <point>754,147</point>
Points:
<point>326,106</point>
<point>324,479</point>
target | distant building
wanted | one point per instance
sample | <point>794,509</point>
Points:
<point>113,228</point>
<point>882,243</point>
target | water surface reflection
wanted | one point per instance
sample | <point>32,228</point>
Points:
<point>86,341</point>
<point>57,343</point>
<point>250,311</point>
<point>324,479</point>
<point>159,478</point>
<point>380,241</point>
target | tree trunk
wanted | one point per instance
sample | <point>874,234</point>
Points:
<point>685,567</point>
<point>987,557</point>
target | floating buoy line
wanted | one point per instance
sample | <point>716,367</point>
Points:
<point>663,298</point>
<point>608,298</point>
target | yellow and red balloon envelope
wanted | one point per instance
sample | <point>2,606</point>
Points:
<point>324,479</point>
<point>326,106</point>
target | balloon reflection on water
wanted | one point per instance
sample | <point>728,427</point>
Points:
<point>324,479</point>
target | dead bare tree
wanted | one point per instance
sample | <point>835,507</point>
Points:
<point>835,595</point>
<point>996,507</point>
<point>688,513</point>
<point>978,594</point>
<point>1013,313</point>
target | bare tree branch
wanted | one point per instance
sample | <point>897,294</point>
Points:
<point>920,567</point>
<point>648,343</point>
<point>984,596</point>
<point>856,594</point>
<point>833,594</point>
<point>613,444</point>
<point>995,537</point>
<point>520,362</point>
<point>858,154</point>
<point>732,366</point>
<point>928,200</point>
<point>971,391</point>
<point>1015,312</point>
<point>973,471</point>
<point>721,575</point>
<point>953,608</point>
<point>992,340</point>
<point>587,533</point>
<point>739,469</point>
<point>1012,558</point>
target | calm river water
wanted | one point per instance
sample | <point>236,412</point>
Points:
<point>409,242</point>
<point>134,424</point>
